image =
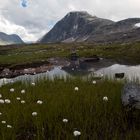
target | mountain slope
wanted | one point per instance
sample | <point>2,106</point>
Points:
<point>122,31</point>
<point>9,39</point>
<point>75,26</point>
<point>81,26</point>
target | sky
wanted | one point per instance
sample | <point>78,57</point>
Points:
<point>31,19</point>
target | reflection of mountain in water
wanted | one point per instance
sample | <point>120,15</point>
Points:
<point>84,68</point>
<point>131,72</point>
<point>105,67</point>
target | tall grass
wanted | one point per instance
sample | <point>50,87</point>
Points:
<point>85,110</point>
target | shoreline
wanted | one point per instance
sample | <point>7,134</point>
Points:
<point>7,71</point>
<point>32,68</point>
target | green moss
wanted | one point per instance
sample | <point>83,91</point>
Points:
<point>33,53</point>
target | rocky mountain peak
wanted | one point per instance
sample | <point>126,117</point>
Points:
<point>75,15</point>
<point>80,26</point>
<point>79,14</point>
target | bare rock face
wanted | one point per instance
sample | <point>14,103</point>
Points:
<point>82,27</point>
<point>75,26</point>
<point>131,95</point>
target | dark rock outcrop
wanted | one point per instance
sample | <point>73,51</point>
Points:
<point>119,75</point>
<point>82,27</point>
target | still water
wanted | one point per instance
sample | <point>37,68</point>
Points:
<point>107,68</point>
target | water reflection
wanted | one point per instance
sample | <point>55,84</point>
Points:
<point>83,69</point>
<point>131,72</point>
<point>56,72</point>
<point>107,68</point>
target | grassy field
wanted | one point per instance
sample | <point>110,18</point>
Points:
<point>85,110</point>
<point>24,54</point>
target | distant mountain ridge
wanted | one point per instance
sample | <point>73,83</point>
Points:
<point>83,27</point>
<point>10,39</point>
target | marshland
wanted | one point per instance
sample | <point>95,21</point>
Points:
<point>60,104</point>
<point>69,70</point>
<point>56,109</point>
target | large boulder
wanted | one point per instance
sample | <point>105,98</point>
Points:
<point>131,95</point>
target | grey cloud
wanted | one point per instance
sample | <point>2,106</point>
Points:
<point>40,15</point>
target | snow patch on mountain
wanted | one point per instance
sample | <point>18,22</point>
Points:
<point>137,25</point>
<point>75,27</point>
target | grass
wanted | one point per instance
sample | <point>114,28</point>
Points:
<point>24,54</point>
<point>85,110</point>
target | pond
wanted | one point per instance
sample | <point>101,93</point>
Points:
<point>105,67</point>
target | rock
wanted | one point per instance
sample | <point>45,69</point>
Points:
<point>131,95</point>
<point>119,75</point>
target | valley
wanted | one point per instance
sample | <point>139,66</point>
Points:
<point>79,81</point>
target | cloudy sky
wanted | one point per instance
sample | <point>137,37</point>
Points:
<point>31,19</point>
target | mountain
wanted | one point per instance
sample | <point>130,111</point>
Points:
<point>81,26</point>
<point>9,39</point>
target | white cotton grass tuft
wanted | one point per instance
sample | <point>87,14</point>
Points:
<point>3,122</point>
<point>65,120</point>
<point>23,91</point>
<point>0,96</point>
<point>9,126</point>
<point>7,101</point>
<point>22,102</point>
<point>12,90</point>
<point>34,114</point>
<point>94,82</point>
<point>0,113</point>
<point>76,88</point>
<point>105,98</point>
<point>1,101</point>
<point>18,98</point>
<point>76,133</point>
<point>33,84</point>
<point>39,102</point>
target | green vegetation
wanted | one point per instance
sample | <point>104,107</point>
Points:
<point>85,110</point>
<point>14,55</point>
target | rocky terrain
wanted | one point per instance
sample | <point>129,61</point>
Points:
<point>83,27</point>
<point>9,39</point>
